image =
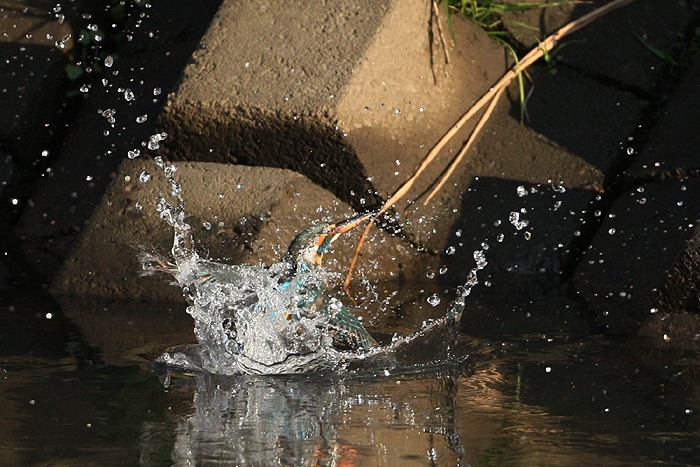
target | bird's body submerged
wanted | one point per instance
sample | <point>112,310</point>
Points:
<point>267,316</point>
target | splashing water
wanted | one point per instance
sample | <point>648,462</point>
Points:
<point>247,321</point>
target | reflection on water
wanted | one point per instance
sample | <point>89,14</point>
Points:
<point>315,421</point>
<point>527,399</point>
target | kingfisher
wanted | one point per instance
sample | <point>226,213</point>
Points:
<point>304,254</point>
<point>314,297</point>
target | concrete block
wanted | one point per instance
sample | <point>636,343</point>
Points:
<point>632,255</point>
<point>650,262</point>
<point>107,128</point>
<point>34,42</point>
<point>239,215</point>
<point>613,47</point>
<point>545,171</point>
<point>350,94</point>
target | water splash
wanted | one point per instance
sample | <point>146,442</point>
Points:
<point>248,321</point>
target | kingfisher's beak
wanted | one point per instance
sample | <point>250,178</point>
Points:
<point>333,231</point>
<point>348,224</point>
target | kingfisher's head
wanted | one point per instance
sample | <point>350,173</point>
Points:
<point>308,246</point>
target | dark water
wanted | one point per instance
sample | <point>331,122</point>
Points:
<point>78,388</point>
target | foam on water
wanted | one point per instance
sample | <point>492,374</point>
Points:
<point>247,322</point>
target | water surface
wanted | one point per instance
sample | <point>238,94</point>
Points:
<point>79,387</point>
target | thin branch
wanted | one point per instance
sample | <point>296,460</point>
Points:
<point>436,12</point>
<point>472,137</point>
<point>492,94</point>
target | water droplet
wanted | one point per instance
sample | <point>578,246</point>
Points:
<point>522,191</point>
<point>133,154</point>
<point>44,153</point>
<point>156,91</point>
<point>128,95</point>
<point>434,300</point>
<point>144,176</point>
<point>480,259</point>
<point>138,205</point>
<point>458,233</point>
<point>500,237</point>
<point>450,250</point>
<point>430,274</point>
<point>630,151</point>
<point>109,60</point>
<point>154,140</point>
<point>141,118</point>
<point>433,454</point>
<point>206,225</point>
<point>611,231</point>
<point>443,270</point>
<point>518,223</point>
<point>528,235</point>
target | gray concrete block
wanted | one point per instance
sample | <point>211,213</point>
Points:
<point>352,97</point>
<point>631,257</point>
<point>239,215</point>
<point>33,46</point>
<point>614,47</point>
<point>545,171</point>
<point>108,127</point>
<point>650,262</point>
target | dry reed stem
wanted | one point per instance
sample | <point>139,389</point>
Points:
<point>472,137</point>
<point>492,94</point>
<point>436,12</point>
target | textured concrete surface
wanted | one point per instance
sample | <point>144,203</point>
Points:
<point>107,127</point>
<point>617,46</point>
<point>644,257</point>
<point>31,76</point>
<point>239,215</point>
<point>352,97</point>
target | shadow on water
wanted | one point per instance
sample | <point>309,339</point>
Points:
<point>80,388</point>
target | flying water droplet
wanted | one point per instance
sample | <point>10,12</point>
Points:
<point>518,223</point>
<point>154,140</point>
<point>434,300</point>
<point>144,176</point>
<point>522,191</point>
